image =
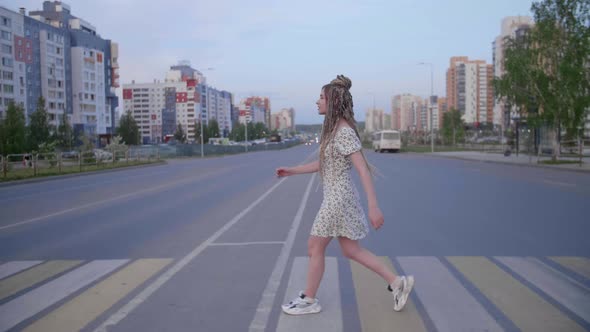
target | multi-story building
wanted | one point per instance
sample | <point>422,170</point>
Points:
<point>60,57</point>
<point>510,26</point>
<point>374,120</point>
<point>182,99</point>
<point>470,90</point>
<point>283,120</point>
<point>442,109</point>
<point>255,109</point>
<point>91,84</point>
<point>15,53</point>
<point>406,112</point>
<point>426,117</point>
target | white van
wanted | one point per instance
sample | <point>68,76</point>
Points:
<point>389,140</point>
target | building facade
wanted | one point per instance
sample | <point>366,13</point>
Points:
<point>509,28</point>
<point>470,89</point>
<point>61,58</point>
<point>181,99</point>
<point>406,112</point>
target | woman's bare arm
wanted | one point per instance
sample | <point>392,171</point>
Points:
<point>375,215</point>
<point>312,167</point>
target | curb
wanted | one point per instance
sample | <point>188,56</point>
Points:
<point>67,176</point>
<point>557,168</point>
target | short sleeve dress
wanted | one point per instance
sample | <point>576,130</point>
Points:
<point>341,213</point>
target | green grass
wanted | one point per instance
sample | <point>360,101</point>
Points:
<point>28,173</point>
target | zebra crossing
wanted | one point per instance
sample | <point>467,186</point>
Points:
<point>454,293</point>
<point>467,293</point>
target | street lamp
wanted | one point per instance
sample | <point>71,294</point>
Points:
<point>430,102</point>
<point>366,124</point>
<point>201,116</point>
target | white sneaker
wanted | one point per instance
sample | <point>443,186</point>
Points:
<point>302,305</point>
<point>401,288</point>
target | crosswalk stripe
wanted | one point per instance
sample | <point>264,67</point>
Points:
<point>375,303</point>
<point>11,268</point>
<point>580,265</point>
<point>522,306</point>
<point>448,304</point>
<point>330,319</point>
<point>86,307</point>
<point>33,302</point>
<point>571,295</point>
<point>28,278</point>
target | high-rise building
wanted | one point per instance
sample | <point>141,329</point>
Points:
<point>60,57</point>
<point>182,99</point>
<point>442,109</point>
<point>255,109</point>
<point>470,90</point>
<point>375,120</point>
<point>15,53</point>
<point>430,105</point>
<point>509,29</point>
<point>284,120</point>
<point>92,79</point>
<point>406,112</point>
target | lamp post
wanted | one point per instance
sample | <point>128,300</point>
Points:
<point>430,102</point>
<point>366,125</point>
<point>201,116</point>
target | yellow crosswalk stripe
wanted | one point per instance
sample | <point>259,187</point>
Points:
<point>83,309</point>
<point>30,277</point>
<point>527,310</point>
<point>375,303</point>
<point>580,265</point>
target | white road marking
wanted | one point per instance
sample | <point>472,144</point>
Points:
<point>270,291</point>
<point>245,243</point>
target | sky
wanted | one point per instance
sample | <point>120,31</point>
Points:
<point>287,50</point>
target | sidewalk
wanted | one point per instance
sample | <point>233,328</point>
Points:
<point>520,160</point>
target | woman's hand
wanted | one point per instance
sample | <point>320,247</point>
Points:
<point>376,217</point>
<point>284,171</point>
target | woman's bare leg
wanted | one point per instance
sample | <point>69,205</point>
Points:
<point>352,249</point>
<point>316,248</point>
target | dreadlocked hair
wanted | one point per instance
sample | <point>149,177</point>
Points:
<point>339,106</point>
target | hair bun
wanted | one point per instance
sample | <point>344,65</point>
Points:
<point>342,81</point>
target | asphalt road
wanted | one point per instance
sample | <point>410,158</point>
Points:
<point>218,244</point>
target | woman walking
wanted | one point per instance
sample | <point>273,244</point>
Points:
<point>341,214</point>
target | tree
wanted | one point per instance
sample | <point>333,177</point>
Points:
<point>13,133</point>
<point>453,127</point>
<point>213,129</point>
<point>547,78</point>
<point>39,130</point>
<point>259,131</point>
<point>238,133</point>
<point>128,129</point>
<point>64,136</point>
<point>179,135</point>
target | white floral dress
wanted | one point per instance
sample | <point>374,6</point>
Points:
<point>341,213</point>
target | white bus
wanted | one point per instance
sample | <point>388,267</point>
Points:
<point>387,140</point>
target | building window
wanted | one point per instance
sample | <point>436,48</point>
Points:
<point>8,88</point>
<point>5,21</point>
<point>7,75</point>
<point>7,62</point>
<point>6,49</point>
<point>6,35</point>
